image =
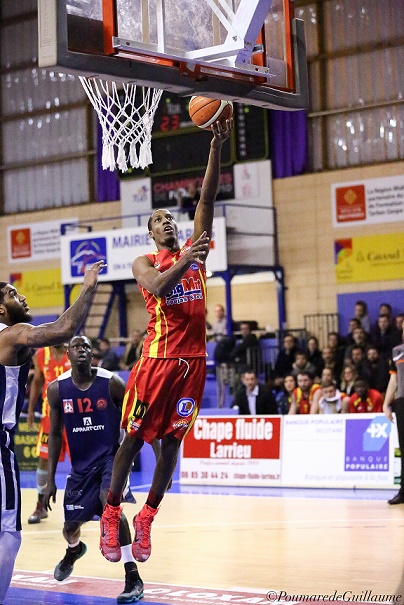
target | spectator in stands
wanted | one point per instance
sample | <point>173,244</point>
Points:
<point>284,397</point>
<point>253,398</point>
<point>219,326</point>
<point>353,323</point>
<point>285,359</point>
<point>314,355</point>
<point>360,339</point>
<point>110,360</point>
<point>133,350</point>
<point>328,358</point>
<point>385,309</point>
<point>305,396</point>
<point>399,322</point>
<point>327,375</point>
<point>376,370</point>
<point>330,401</point>
<point>364,399</point>
<point>337,346</point>
<point>361,313</point>
<point>302,364</point>
<point>348,377</point>
<point>248,341</point>
<point>188,199</point>
<point>386,337</point>
<point>357,360</point>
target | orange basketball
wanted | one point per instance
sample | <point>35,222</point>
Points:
<point>204,111</point>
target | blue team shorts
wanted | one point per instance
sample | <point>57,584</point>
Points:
<point>82,501</point>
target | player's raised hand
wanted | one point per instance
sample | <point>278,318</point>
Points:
<point>199,249</point>
<point>221,132</point>
<point>91,274</point>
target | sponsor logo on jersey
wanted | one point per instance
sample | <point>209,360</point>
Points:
<point>180,424</point>
<point>184,249</point>
<point>134,425</point>
<point>194,267</point>
<point>188,289</point>
<point>101,404</point>
<point>87,421</point>
<point>157,265</point>
<point>68,406</point>
<point>74,507</point>
<point>185,407</point>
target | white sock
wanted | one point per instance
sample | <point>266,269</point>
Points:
<point>126,552</point>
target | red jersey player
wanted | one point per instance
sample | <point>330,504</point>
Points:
<point>49,363</point>
<point>165,387</point>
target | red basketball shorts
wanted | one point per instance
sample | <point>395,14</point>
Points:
<point>43,436</point>
<point>163,396</point>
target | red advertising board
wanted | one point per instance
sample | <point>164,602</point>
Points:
<point>228,450</point>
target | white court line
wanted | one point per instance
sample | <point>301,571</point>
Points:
<point>220,524</point>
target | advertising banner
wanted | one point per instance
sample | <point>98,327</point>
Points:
<point>25,446</point>
<point>368,202</point>
<point>369,258</point>
<point>119,248</point>
<point>34,241</point>
<point>43,288</point>
<point>337,451</point>
<point>232,450</point>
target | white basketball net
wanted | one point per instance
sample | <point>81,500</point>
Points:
<point>123,124</point>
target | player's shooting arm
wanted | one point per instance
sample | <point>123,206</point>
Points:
<point>205,208</point>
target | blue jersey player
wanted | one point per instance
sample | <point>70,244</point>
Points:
<point>87,401</point>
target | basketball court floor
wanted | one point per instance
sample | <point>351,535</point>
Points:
<point>216,545</point>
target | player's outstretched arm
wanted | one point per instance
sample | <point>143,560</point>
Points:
<point>54,442</point>
<point>161,284</point>
<point>205,209</point>
<point>25,335</point>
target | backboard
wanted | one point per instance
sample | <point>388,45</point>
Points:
<point>251,51</point>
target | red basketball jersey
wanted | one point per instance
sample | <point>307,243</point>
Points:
<point>177,326</point>
<point>51,369</point>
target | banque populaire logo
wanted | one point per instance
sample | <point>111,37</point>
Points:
<point>86,252</point>
<point>367,444</point>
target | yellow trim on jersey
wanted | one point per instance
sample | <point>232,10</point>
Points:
<point>194,415</point>
<point>125,400</point>
<point>154,345</point>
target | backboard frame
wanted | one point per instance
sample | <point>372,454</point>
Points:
<point>170,75</point>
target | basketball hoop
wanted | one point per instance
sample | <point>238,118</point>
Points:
<point>125,126</point>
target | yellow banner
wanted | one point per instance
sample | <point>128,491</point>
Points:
<point>369,258</point>
<point>43,288</point>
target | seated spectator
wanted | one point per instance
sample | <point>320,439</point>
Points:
<point>385,309</point>
<point>314,355</point>
<point>97,356</point>
<point>357,359</point>
<point>361,313</point>
<point>364,400</point>
<point>360,339</point>
<point>110,360</point>
<point>376,370</point>
<point>386,337</point>
<point>327,375</point>
<point>253,398</point>
<point>133,350</point>
<point>330,401</point>
<point>353,323</point>
<point>337,346</point>
<point>399,322</point>
<point>328,358</point>
<point>347,382</point>
<point>248,341</point>
<point>301,364</point>
<point>285,359</point>
<point>284,397</point>
<point>305,396</point>
<point>219,326</point>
